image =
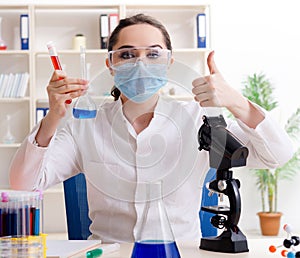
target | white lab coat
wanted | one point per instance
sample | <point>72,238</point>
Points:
<point>115,160</point>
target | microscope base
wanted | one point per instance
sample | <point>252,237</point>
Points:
<point>227,242</point>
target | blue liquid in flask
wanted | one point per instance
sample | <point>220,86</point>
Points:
<point>155,248</point>
<point>84,106</point>
<point>84,113</point>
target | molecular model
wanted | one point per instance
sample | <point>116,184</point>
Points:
<point>289,243</point>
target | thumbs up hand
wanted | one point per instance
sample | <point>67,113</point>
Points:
<point>213,90</point>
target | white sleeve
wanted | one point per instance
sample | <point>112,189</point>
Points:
<point>269,145</point>
<point>24,169</point>
<point>35,167</point>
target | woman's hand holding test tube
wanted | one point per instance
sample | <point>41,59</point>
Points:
<point>62,89</point>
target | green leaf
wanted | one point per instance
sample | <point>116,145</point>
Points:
<point>292,126</point>
<point>258,89</point>
<point>289,170</point>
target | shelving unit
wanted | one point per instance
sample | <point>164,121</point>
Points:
<point>60,23</point>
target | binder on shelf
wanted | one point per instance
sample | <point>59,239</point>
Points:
<point>104,30</point>
<point>24,31</point>
<point>13,85</point>
<point>8,85</point>
<point>113,21</point>
<point>201,30</point>
<point>41,112</point>
<point>1,84</point>
<point>22,86</point>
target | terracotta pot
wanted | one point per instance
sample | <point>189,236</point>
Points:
<point>269,223</point>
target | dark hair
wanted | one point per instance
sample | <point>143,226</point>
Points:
<point>133,20</point>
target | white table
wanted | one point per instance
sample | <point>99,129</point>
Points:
<point>258,248</point>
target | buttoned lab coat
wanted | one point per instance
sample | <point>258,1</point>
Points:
<point>116,161</point>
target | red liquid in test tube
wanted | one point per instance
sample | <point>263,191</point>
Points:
<point>53,56</point>
<point>55,61</point>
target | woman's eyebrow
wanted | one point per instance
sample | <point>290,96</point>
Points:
<point>126,46</point>
<point>130,46</point>
<point>157,45</point>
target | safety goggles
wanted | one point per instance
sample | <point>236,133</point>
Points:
<point>130,56</point>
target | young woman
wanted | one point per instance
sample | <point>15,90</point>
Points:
<point>140,137</point>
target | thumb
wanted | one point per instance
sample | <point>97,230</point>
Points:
<point>211,63</point>
<point>58,75</point>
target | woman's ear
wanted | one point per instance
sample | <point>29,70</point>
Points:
<point>172,60</point>
<point>108,66</point>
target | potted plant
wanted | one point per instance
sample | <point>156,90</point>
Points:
<point>259,90</point>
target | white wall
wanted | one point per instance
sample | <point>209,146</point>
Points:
<point>261,36</point>
<point>253,36</point>
<point>256,36</point>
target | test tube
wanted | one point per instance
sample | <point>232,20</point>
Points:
<point>13,215</point>
<point>22,216</point>
<point>5,217</point>
<point>53,55</point>
<point>33,215</point>
<point>55,61</point>
<point>37,214</point>
<point>41,208</point>
<point>27,214</point>
<point>1,220</point>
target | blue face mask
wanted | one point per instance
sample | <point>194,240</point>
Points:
<point>138,82</point>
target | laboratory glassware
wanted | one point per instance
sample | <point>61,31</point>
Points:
<point>154,236</point>
<point>55,61</point>
<point>3,45</point>
<point>8,138</point>
<point>54,56</point>
<point>84,106</point>
<point>20,224</point>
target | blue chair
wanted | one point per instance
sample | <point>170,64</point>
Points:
<point>207,229</point>
<point>78,221</point>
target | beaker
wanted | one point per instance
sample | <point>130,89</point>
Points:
<point>155,237</point>
<point>84,107</point>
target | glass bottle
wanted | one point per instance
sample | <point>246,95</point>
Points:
<point>84,107</point>
<point>2,42</point>
<point>8,137</point>
<point>155,237</point>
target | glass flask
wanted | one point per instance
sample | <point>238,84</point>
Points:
<point>84,107</point>
<point>2,42</point>
<point>8,137</point>
<point>155,237</point>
